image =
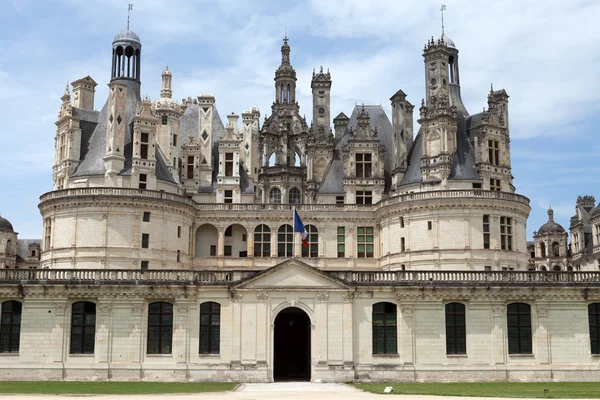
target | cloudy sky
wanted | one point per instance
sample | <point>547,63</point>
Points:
<point>545,54</point>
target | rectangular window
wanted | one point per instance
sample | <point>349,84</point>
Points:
<point>339,200</point>
<point>486,231</point>
<point>244,237</point>
<point>476,185</point>
<point>456,333</point>
<point>165,120</point>
<point>402,245</point>
<point>506,233</point>
<point>145,240</point>
<point>495,185</point>
<point>142,183</point>
<point>228,164</point>
<point>341,241</point>
<point>146,217</point>
<point>227,251</point>
<point>210,328</point>
<point>178,255</point>
<point>518,316</point>
<point>429,225</point>
<point>363,165</point>
<point>174,141</point>
<point>401,222</point>
<point>364,197</point>
<point>594,322</point>
<point>385,336</point>
<point>365,241</point>
<point>83,327</point>
<point>213,250</point>
<point>48,234</point>
<point>179,231</point>
<point>190,167</point>
<point>494,152</point>
<point>144,146</point>
<point>10,327</point>
<point>487,268</point>
<point>144,265</point>
<point>160,328</point>
<point>228,199</point>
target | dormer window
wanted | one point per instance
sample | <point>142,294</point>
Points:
<point>363,165</point>
<point>228,164</point>
<point>144,146</point>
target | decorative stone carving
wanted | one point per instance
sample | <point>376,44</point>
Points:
<point>104,310</point>
<point>262,296</point>
<point>322,297</point>
<point>348,297</point>
<point>542,311</point>
<point>236,296</point>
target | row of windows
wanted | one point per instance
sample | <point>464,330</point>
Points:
<point>518,321</point>
<point>506,232</point>
<point>83,328</point>
<point>384,328</point>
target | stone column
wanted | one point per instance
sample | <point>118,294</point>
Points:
<point>250,243</point>
<point>103,331</point>
<point>348,331</point>
<point>236,317</point>
<point>262,328</point>
<point>59,334</point>
<point>406,331</point>
<point>321,345</point>
<point>181,340</point>
<point>137,332</point>
<point>541,338</point>
<point>220,243</point>
<point>498,336</point>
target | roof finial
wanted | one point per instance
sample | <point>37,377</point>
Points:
<point>129,8</point>
<point>285,38</point>
<point>442,9</point>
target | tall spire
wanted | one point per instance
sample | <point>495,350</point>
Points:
<point>129,8</point>
<point>442,9</point>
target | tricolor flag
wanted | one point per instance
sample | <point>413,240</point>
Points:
<point>299,227</point>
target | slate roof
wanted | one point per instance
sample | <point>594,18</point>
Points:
<point>93,138</point>
<point>23,245</point>
<point>333,182</point>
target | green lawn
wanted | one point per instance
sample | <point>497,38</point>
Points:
<point>574,390</point>
<point>27,387</point>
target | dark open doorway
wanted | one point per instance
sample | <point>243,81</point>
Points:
<point>292,346</point>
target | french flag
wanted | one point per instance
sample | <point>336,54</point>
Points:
<point>299,227</point>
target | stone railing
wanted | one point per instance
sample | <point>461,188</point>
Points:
<point>469,278</point>
<point>407,197</point>
<point>359,278</point>
<point>121,276</point>
<point>98,191</point>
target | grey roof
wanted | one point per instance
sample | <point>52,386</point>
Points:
<point>93,138</point>
<point>5,225</point>
<point>127,35</point>
<point>23,245</point>
<point>463,161</point>
<point>189,127</point>
<point>551,228</point>
<point>333,182</point>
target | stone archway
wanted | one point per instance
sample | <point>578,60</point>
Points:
<point>291,356</point>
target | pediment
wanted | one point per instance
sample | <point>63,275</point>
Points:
<point>293,274</point>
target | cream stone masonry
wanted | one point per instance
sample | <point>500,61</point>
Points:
<point>171,252</point>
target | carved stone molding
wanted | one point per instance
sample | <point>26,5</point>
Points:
<point>60,309</point>
<point>322,297</point>
<point>104,309</point>
<point>262,296</point>
<point>348,297</point>
<point>236,296</point>
<point>498,310</point>
<point>542,311</point>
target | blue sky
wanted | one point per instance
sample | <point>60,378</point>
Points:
<point>543,53</point>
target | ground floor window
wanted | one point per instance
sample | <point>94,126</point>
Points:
<point>160,328</point>
<point>384,328</point>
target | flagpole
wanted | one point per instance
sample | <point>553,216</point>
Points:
<point>294,232</point>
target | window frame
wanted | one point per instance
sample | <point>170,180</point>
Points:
<point>341,242</point>
<point>456,328</point>
<point>210,309</point>
<point>519,342</point>
<point>262,241</point>
<point>389,337</point>
<point>10,331</point>
<point>86,345</point>
<point>165,309</point>
<point>285,232</point>
<point>506,233</point>
<point>364,197</point>
<point>486,232</point>
<point>363,233</point>
<point>363,165</point>
<point>312,251</point>
<point>594,327</point>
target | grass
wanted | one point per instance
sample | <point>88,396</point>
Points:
<point>565,390</point>
<point>60,387</point>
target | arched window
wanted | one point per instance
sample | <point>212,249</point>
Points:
<point>160,328</point>
<point>543,268</point>
<point>285,241</point>
<point>313,242</point>
<point>210,328</point>
<point>594,320</point>
<point>294,196</point>
<point>555,249</point>
<point>275,196</point>
<point>83,327</point>
<point>456,336</point>
<point>556,268</point>
<point>297,160</point>
<point>384,328</point>
<point>543,250</point>
<point>518,317</point>
<point>10,326</point>
<point>8,249</point>
<point>289,100</point>
<point>262,241</point>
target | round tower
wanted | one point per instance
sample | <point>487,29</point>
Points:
<point>550,243</point>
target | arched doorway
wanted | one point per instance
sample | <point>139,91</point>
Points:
<point>291,359</point>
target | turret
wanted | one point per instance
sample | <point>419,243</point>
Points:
<point>126,56</point>
<point>67,143</point>
<point>340,123</point>
<point>114,158</point>
<point>285,78</point>
<point>144,146</point>
<point>321,93</point>
<point>169,113</point>
<point>228,175</point>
